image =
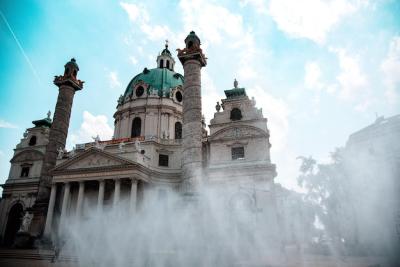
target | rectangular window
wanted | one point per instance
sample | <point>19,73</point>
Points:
<point>25,171</point>
<point>237,153</point>
<point>163,160</point>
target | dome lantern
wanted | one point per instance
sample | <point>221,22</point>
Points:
<point>165,59</point>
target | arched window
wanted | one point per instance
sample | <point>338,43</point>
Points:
<point>178,130</point>
<point>236,114</point>
<point>161,63</point>
<point>167,64</point>
<point>190,44</point>
<point>136,127</point>
<point>32,141</point>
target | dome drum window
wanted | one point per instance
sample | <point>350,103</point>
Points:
<point>178,130</point>
<point>136,127</point>
<point>139,91</point>
<point>178,96</point>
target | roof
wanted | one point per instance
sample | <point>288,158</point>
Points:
<point>235,92</point>
<point>43,122</point>
<point>161,79</point>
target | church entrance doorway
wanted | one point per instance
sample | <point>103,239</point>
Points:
<point>13,224</point>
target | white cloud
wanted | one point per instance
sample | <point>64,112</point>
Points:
<point>218,26</point>
<point>391,70</point>
<point>114,80</point>
<point>352,82</point>
<point>214,22</point>
<point>6,124</point>
<point>312,76</point>
<point>138,14</point>
<point>277,112</point>
<point>91,126</point>
<point>209,89</point>
<point>260,6</point>
<point>133,60</point>
<point>312,19</point>
<point>363,106</point>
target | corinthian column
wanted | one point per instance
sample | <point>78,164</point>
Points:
<point>117,191</point>
<point>133,195</point>
<point>49,217</point>
<point>100,198</point>
<point>65,202</point>
<point>81,195</point>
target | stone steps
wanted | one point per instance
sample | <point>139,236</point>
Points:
<point>29,254</point>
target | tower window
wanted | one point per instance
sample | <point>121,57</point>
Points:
<point>178,130</point>
<point>236,114</point>
<point>162,63</point>
<point>32,141</point>
<point>139,91</point>
<point>237,153</point>
<point>25,171</point>
<point>178,96</point>
<point>136,127</point>
<point>167,64</point>
<point>190,44</point>
<point>163,160</point>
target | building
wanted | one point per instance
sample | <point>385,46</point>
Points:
<point>372,160</point>
<point>160,144</point>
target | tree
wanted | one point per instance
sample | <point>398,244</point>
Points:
<point>327,189</point>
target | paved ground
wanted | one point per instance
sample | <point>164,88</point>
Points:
<point>45,258</point>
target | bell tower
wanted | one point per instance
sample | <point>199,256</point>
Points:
<point>192,59</point>
<point>68,84</point>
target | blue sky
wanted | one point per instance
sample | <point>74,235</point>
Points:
<point>319,69</point>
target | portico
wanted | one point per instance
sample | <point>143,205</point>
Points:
<point>78,196</point>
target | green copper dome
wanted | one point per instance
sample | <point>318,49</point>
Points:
<point>160,79</point>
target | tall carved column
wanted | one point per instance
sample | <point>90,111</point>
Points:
<point>192,59</point>
<point>68,84</point>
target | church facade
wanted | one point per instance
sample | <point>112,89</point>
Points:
<point>160,145</point>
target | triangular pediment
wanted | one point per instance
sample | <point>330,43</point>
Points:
<point>92,158</point>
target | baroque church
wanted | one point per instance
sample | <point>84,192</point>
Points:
<point>160,145</point>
